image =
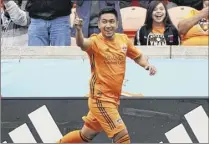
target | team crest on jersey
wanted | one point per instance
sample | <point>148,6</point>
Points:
<point>119,121</point>
<point>98,93</point>
<point>124,48</point>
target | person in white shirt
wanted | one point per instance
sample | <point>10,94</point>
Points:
<point>14,21</point>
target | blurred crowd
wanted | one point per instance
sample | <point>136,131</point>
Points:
<point>49,22</point>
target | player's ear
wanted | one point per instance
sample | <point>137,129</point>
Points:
<point>117,24</point>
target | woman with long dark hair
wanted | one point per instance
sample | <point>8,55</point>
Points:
<point>158,29</point>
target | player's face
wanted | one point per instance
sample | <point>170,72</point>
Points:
<point>108,25</point>
<point>159,13</point>
<point>205,3</point>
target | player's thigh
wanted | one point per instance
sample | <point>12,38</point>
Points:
<point>109,118</point>
<point>91,126</point>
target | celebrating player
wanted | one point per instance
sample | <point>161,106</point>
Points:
<point>107,52</point>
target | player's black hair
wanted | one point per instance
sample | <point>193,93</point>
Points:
<point>108,10</point>
<point>151,7</point>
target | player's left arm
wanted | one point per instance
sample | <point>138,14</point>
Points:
<point>140,58</point>
<point>143,62</point>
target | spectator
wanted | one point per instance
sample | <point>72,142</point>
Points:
<point>50,22</point>
<point>14,23</point>
<point>1,4</point>
<point>89,11</point>
<point>194,28</point>
<point>145,3</point>
<point>158,29</point>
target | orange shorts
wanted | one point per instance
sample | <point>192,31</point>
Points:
<point>104,116</point>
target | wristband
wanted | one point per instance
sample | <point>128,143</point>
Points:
<point>147,67</point>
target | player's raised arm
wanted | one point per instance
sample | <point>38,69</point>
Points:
<point>80,41</point>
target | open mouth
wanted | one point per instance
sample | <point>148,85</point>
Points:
<point>158,17</point>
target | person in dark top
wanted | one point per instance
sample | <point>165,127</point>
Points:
<point>50,22</point>
<point>158,29</point>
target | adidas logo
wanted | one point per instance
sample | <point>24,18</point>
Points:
<point>198,121</point>
<point>44,125</point>
<point>50,133</point>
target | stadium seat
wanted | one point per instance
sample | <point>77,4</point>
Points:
<point>132,19</point>
<point>178,13</point>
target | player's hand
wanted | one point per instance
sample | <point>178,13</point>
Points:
<point>152,70</point>
<point>78,23</point>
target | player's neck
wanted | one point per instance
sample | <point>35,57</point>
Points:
<point>109,38</point>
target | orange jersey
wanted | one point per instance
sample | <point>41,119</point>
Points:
<point>198,34</point>
<point>108,65</point>
<point>158,30</point>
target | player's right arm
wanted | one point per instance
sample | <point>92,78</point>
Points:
<point>80,40</point>
<point>185,25</point>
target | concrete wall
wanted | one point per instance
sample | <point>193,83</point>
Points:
<point>73,52</point>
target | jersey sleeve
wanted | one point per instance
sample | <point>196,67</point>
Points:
<point>91,48</point>
<point>132,51</point>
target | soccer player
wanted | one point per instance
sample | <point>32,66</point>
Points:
<point>107,52</point>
